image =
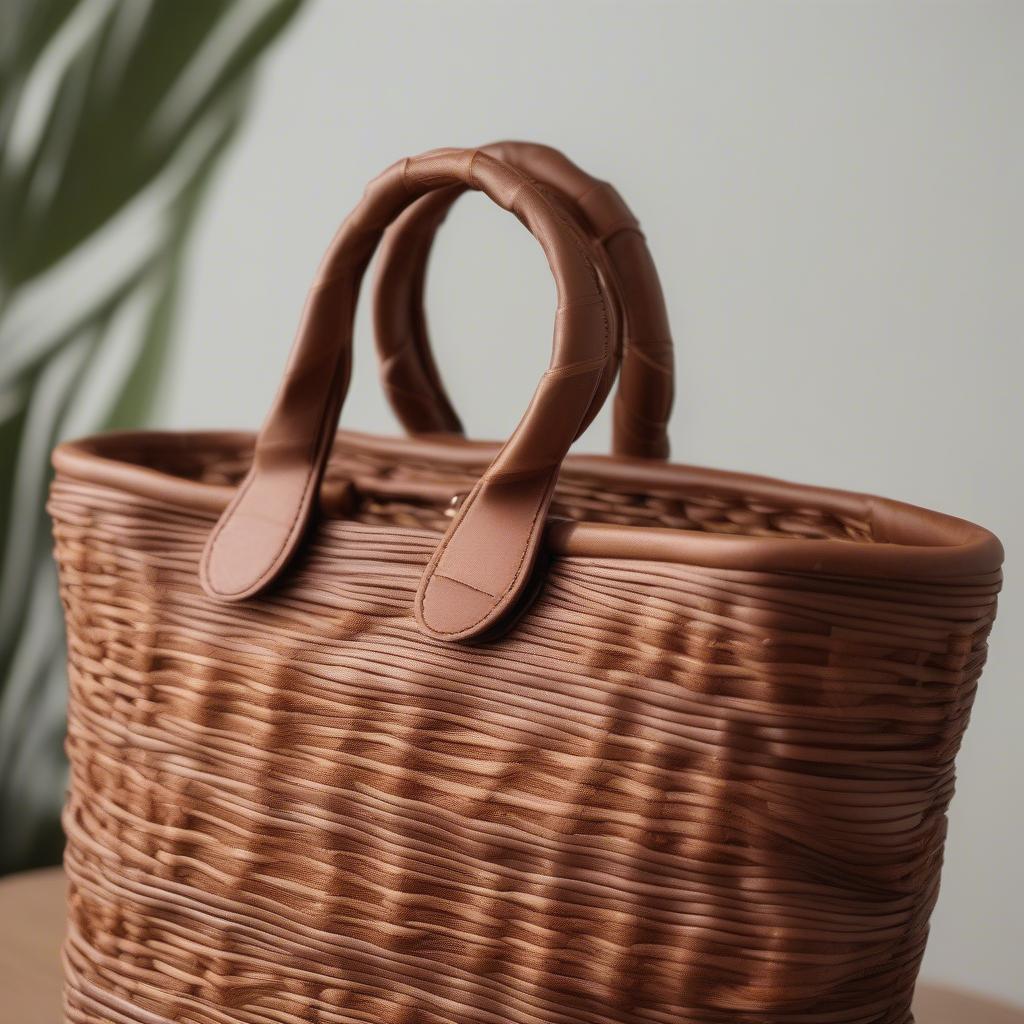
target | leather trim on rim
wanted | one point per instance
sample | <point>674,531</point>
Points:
<point>911,541</point>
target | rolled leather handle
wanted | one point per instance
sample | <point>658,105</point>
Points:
<point>483,563</point>
<point>643,402</point>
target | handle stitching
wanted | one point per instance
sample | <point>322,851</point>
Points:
<point>641,353</point>
<point>630,225</point>
<point>545,499</point>
<point>555,203</point>
<point>463,583</point>
<point>576,369</point>
<point>432,573</point>
<point>312,455</point>
<point>297,519</point>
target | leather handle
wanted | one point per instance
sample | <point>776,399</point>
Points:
<point>482,565</point>
<point>643,403</point>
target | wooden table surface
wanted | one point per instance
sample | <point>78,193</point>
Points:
<point>32,920</point>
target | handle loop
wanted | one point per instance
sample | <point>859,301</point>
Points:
<point>483,563</point>
<point>414,387</point>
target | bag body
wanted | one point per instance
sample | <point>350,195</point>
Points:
<point>432,730</point>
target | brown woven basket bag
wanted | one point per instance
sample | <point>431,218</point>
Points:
<point>429,731</point>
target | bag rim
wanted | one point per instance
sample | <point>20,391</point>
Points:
<point>909,542</point>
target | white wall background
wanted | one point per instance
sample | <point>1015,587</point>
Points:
<point>832,192</point>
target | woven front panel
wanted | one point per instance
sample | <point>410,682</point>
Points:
<point>669,794</point>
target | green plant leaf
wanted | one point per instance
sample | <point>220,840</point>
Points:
<point>113,117</point>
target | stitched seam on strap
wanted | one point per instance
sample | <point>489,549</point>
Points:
<point>628,415</point>
<point>616,227</point>
<point>311,455</point>
<point>620,229</point>
<point>514,198</point>
<point>298,520</point>
<point>594,185</point>
<point>638,352</point>
<point>432,573</point>
<point>515,575</point>
<point>295,524</point>
<point>463,583</point>
<point>597,299</point>
<point>574,369</point>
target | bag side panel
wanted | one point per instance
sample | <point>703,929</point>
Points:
<point>670,793</point>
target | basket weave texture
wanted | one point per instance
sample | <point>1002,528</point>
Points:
<point>671,793</point>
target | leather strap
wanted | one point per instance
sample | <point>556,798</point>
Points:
<point>482,565</point>
<point>643,402</point>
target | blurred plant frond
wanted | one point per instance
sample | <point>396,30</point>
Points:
<point>113,116</point>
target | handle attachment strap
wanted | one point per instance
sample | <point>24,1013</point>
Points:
<point>483,563</point>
